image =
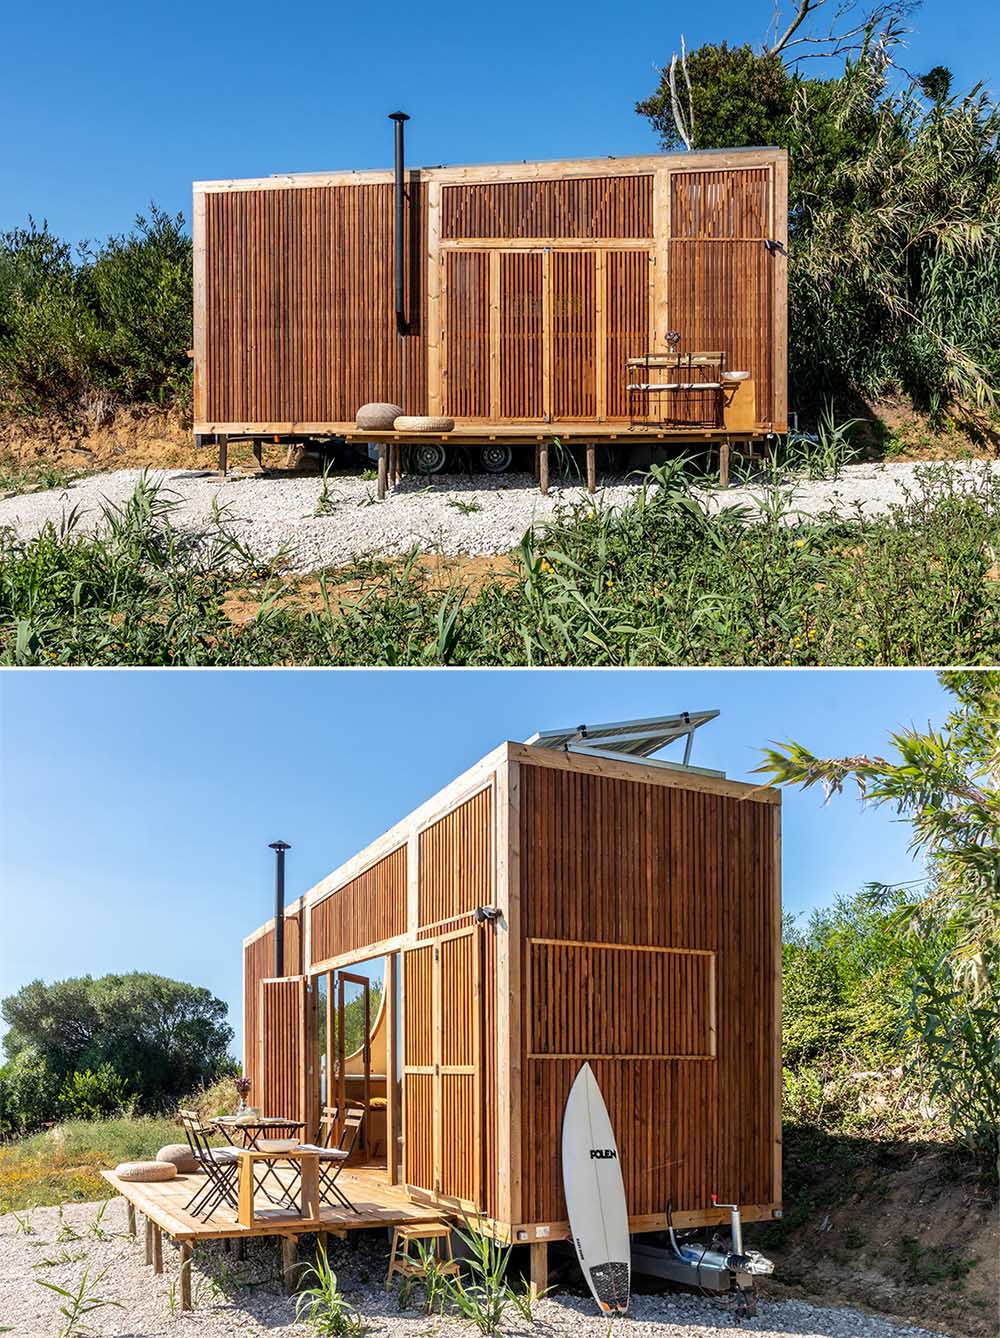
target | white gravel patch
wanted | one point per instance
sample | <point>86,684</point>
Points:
<point>454,515</point>
<point>233,1298</point>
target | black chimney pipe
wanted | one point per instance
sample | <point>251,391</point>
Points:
<point>400,118</point>
<point>279,848</point>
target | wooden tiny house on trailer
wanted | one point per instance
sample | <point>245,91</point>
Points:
<point>527,289</point>
<point>559,902</point>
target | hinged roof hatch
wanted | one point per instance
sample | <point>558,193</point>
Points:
<point>622,739</point>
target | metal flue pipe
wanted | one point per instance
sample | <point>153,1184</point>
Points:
<point>279,848</point>
<point>400,118</point>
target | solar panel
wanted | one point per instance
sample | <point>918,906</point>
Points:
<point>630,738</point>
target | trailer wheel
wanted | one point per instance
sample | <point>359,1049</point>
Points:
<point>496,459</point>
<point>430,457</point>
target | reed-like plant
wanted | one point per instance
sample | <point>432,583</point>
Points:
<point>79,1304</point>
<point>323,1307</point>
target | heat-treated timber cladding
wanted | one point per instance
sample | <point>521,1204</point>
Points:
<point>456,861</point>
<point>574,334</point>
<point>299,307</point>
<point>258,965</point>
<point>283,1063</point>
<point>670,995</point>
<point>369,909</point>
<point>465,380</point>
<point>604,206</point>
<point>521,335</point>
<point>721,276</point>
<point>626,276</point>
<point>617,862</point>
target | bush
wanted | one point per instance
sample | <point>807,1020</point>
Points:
<point>29,1093</point>
<point>94,1094</point>
<point>111,326</point>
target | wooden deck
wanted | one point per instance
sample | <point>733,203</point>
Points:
<point>379,1205</point>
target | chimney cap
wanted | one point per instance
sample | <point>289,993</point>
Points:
<point>399,116</point>
<point>279,845</point>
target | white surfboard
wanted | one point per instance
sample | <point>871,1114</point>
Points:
<point>595,1193</point>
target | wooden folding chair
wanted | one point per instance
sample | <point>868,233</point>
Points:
<point>220,1166</point>
<point>333,1156</point>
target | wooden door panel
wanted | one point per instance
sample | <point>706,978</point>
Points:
<point>522,348</point>
<point>283,1060</point>
<point>574,334</point>
<point>626,302</point>
<point>418,1067</point>
<point>465,351</point>
<point>722,278</point>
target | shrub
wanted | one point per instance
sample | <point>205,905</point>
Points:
<point>29,1093</point>
<point>95,1094</point>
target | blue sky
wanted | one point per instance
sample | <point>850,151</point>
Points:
<point>105,107</point>
<point>136,807</point>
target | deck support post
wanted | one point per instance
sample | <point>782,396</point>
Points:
<point>157,1249</point>
<point>241,1248</point>
<point>223,454</point>
<point>290,1262</point>
<point>542,467</point>
<point>130,1208</point>
<point>539,1267</point>
<point>591,468</point>
<point>258,453</point>
<point>149,1240</point>
<point>723,464</point>
<point>383,469</point>
<point>186,1251</point>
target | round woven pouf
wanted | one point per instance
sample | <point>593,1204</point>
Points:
<point>145,1170</point>
<point>179,1155</point>
<point>422,423</point>
<point>377,417</point>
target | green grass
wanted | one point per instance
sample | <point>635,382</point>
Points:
<point>16,478</point>
<point>62,1164</point>
<point>657,583</point>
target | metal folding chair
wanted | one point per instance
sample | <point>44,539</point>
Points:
<point>220,1166</point>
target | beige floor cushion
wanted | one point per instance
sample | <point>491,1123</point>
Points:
<point>377,417</point>
<point>179,1155</point>
<point>145,1170</point>
<point>422,423</point>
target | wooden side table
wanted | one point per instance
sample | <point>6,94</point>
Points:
<point>308,1169</point>
<point>408,1265</point>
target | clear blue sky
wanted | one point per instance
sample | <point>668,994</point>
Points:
<point>105,107</point>
<point>136,807</point>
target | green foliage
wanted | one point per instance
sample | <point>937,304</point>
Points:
<point>111,326</point>
<point>946,938</point>
<point>81,1303</point>
<point>94,1094</point>
<point>29,1093</point>
<point>484,1297</point>
<point>322,1307</point>
<point>894,280</point>
<point>160,1037</point>
<point>657,582</point>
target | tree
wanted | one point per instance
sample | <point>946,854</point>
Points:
<point>946,784</point>
<point>162,1037</point>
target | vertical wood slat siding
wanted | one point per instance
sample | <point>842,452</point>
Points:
<point>622,862</point>
<point>466,370</point>
<point>369,909</point>
<point>721,276</point>
<point>258,965</point>
<point>283,1057</point>
<point>418,1053</point>
<point>574,334</point>
<point>572,988</point>
<point>577,207</point>
<point>456,861</point>
<point>627,303</point>
<point>299,305</point>
<point>521,334</point>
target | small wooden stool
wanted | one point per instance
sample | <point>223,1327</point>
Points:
<point>403,1262</point>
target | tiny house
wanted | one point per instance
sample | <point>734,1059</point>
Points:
<point>604,301</point>
<point>566,899</point>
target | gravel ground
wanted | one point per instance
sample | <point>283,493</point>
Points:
<point>456,515</point>
<point>245,1298</point>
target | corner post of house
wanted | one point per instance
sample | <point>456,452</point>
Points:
<point>508,1011</point>
<point>539,1268</point>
